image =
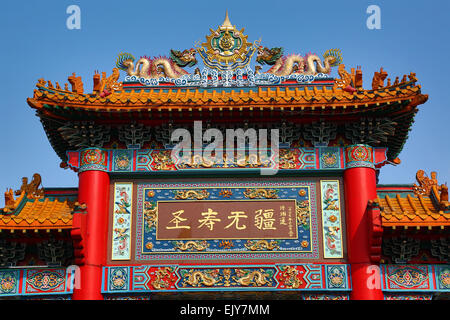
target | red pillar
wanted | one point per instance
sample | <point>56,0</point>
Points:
<point>93,191</point>
<point>360,187</point>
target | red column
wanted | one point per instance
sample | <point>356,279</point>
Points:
<point>94,192</point>
<point>360,187</point>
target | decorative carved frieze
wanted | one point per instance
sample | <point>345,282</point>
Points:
<point>11,253</point>
<point>31,282</point>
<point>163,133</point>
<point>415,278</point>
<point>134,135</point>
<point>320,133</point>
<point>290,158</point>
<point>288,132</point>
<point>85,134</point>
<point>440,248</point>
<point>370,131</point>
<point>401,250</point>
<point>322,278</point>
<point>55,252</point>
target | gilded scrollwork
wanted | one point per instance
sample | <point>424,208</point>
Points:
<point>261,193</point>
<point>252,278</point>
<point>163,278</point>
<point>197,278</point>
<point>247,161</point>
<point>303,212</point>
<point>163,160</point>
<point>191,194</point>
<point>150,214</point>
<point>258,245</point>
<point>227,277</point>
<point>289,277</point>
<point>191,245</point>
<point>288,159</point>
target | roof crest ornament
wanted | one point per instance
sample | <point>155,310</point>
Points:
<point>226,48</point>
<point>226,23</point>
<point>227,55</point>
<point>31,189</point>
<point>27,190</point>
<point>430,187</point>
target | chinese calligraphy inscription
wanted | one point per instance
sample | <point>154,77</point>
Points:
<point>226,219</point>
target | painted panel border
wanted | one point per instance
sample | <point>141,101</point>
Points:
<point>300,248</point>
<point>301,296</point>
<point>408,297</point>
<point>36,281</point>
<point>331,219</point>
<point>160,160</point>
<point>415,278</point>
<point>177,278</point>
<point>122,221</point>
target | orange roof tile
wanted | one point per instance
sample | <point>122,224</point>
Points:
<point>426,205</point>
<point>294,97</point>
<point>32,210</point>
<point>39,214</point>
<point>411,211</point>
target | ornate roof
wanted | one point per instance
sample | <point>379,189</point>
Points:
<point>295,88</point>
<point>32,209</point>
<point>422,205</point>
<point>320,97</point>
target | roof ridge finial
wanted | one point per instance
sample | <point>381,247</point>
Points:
<point>226,23</point>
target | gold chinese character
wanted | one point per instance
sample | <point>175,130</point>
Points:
<point>177,220</point>
<point>209,220</point>
<point>264,219</point>
<point>236,216</point>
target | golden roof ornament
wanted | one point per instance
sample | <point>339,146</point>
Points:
<point>226,55</point>
<point>226,48</point>
<point>425,184</point>
<point>226,23</point>
<point>31,189</point>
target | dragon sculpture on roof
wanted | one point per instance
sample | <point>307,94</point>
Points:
<point>226,50</point>
<point>149,68</point>
<point>310,64</point>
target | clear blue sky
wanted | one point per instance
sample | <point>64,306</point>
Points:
<point>36,43</point>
